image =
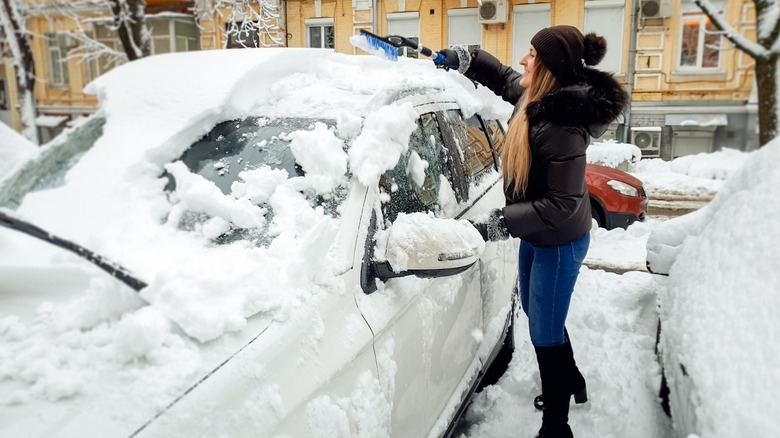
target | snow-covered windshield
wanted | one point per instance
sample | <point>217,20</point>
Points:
<point>246,159</point>
<point>239,145</point>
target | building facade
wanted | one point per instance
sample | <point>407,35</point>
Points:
<point>691,90</point>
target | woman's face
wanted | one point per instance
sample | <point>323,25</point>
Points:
<point>528,62</point>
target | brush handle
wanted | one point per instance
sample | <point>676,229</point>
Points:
<point>400,41</point>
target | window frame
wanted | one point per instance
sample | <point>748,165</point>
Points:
<point>701,43</point>
<point>57,69</point>
<point>594,8</point>
<point>325,25</point>
<point>460,14</point>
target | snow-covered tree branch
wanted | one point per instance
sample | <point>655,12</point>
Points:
<point>248,18</point>
<point>13,23</point>
<point>765,52</point>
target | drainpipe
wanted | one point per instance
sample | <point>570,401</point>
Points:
<point>286,29</point>
<point>630,72</point>
<point>375,17</point>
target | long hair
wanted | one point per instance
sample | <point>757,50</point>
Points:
<point>516,156</point>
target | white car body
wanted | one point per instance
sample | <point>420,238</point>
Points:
<point>718,306</point>
<point>345,361</point>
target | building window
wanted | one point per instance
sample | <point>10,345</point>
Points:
<point>56,48</point>
<point>242,35</point>
<point>699,42</point>
<point>463,28</point>
<point>320,33</point>
<point>172,36</point>
<point>610,12</point>
<point>105,62</point>
<point>527,19</point>
<point>408,25</point>
<point>321,37</point>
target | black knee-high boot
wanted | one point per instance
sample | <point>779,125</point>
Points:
<point>554,364</point>
<point>575,380</point>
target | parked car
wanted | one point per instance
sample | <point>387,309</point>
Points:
<point>617,199</point>
<point>718,300</point>
<point>298,217</point>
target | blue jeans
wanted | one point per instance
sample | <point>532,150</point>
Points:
<point>547,277</point>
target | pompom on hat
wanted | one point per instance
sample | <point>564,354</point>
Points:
<point>564,51</point>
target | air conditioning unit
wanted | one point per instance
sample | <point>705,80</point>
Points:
<point>648,140</point>
<point>493,11</point>
<point>657,8</point>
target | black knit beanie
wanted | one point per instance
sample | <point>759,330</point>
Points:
<point>564,50</point>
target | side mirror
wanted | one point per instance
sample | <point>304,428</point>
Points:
<point>426,246</point>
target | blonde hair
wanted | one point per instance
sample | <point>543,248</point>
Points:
<point>516,156</point>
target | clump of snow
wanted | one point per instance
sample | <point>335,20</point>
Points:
<point>200,195</point>
<point>416,168</point>
<point>611,153</point>
<point>321,155</point>
<point>718,165</point>
<point>385,138</point>
<point>259,184</point>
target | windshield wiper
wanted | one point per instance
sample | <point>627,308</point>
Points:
<point>101,262</point>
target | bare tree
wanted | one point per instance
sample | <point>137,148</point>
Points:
<point>127,20</point>
<point>130,24</point>
<point>251,23</point>
<point>13,24</point>
<point>765,52</point>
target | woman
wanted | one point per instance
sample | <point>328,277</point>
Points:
<point>559,102</point>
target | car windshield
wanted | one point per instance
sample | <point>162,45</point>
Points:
<point>237,146</point>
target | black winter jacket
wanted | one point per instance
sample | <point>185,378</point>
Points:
<point>555,208</point>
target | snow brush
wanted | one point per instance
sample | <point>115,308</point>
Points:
<point>101,262</point>
<point>388,46</point>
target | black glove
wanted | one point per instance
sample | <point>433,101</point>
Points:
<point>495,227</point>
<point>451,59</point>
<point>482,228</point>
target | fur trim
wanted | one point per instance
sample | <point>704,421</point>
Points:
<point>464,58</point>
<point>597,100</point>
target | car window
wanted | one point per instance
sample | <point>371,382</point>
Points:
<point>470,138</point>
<point>497,136</point>
<point>48,169</point>
<point>421,181</point>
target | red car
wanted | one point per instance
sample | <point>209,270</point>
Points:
<point>617,199</point>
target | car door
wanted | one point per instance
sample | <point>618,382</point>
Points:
<point>424,326</point>
<point>480,143</point>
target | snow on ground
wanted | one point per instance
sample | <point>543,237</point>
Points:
<point>612,324</point>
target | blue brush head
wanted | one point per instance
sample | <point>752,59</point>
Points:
<point>374,45</point>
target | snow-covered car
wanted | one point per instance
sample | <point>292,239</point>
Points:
<point>718,306</point>
<point>297,221</point>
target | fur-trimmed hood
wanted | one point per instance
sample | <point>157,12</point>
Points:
<point>593,103</point>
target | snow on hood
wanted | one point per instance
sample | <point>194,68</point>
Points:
<point>719,313</point>
<point>113,202</point>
